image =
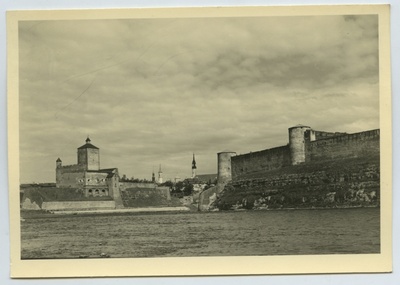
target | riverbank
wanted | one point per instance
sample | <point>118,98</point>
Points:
<point>127,210</point>
<point>29,214</point>
<point>39,214</point>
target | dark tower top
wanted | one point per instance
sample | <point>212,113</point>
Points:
<point>194,163</point>
<point>59,163</point>
<point>153,177</point>
<point>88,145</point>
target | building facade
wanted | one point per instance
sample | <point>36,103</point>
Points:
<point>87,175</point>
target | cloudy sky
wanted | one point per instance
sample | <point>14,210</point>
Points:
<point>154,91</point>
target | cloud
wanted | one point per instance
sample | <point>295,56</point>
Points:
<point>151,91</point>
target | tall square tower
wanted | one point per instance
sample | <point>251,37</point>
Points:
<point>89,156</point>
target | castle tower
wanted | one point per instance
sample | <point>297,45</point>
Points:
<point>153,177</point>
<point>297,144</point>
<point>58,171</point>
<point>89,156</point>
<point>160,180</point>
<point>224,167</point>
<point>194,167</point>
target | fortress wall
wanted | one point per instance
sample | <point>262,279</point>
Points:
<point>73,168</point>
<point>126,185</point>
<point>71,179</point>
<point>78,205</point>
<point>268,159</point>
<point>344,146</point>
<point>146,197</point>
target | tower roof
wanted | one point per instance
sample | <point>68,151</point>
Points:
<point>88,144</point>
<point>299,126</point>
<point>58,160</point>
<point>194,163</point>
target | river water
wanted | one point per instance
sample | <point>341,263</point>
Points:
<point>284,232</point>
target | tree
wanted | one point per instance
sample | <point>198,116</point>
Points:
<point>168,183</point>
<point>188,189</point>
<point>179,186</point>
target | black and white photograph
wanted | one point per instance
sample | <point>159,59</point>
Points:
<point>215,134</point>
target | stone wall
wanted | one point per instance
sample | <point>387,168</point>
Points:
<point>315,146</point>
<point>351,145</point>
<point>147,197</point>
<point>71,179</point>
<point>319,135</point>
<point>268,159</point>
<point>125,185</point>
<point>77,205</point>
<point>73,168</point>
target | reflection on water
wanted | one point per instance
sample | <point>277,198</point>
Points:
<point>204,234</point>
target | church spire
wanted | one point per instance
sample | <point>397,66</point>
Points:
<point>194,167</point>
<point>194,162</point>
<point>160,180</point>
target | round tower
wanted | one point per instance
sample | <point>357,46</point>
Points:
<point>297,144</point>
<point>224,167</point>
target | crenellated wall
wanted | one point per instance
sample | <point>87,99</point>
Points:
<point>319,135</point>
